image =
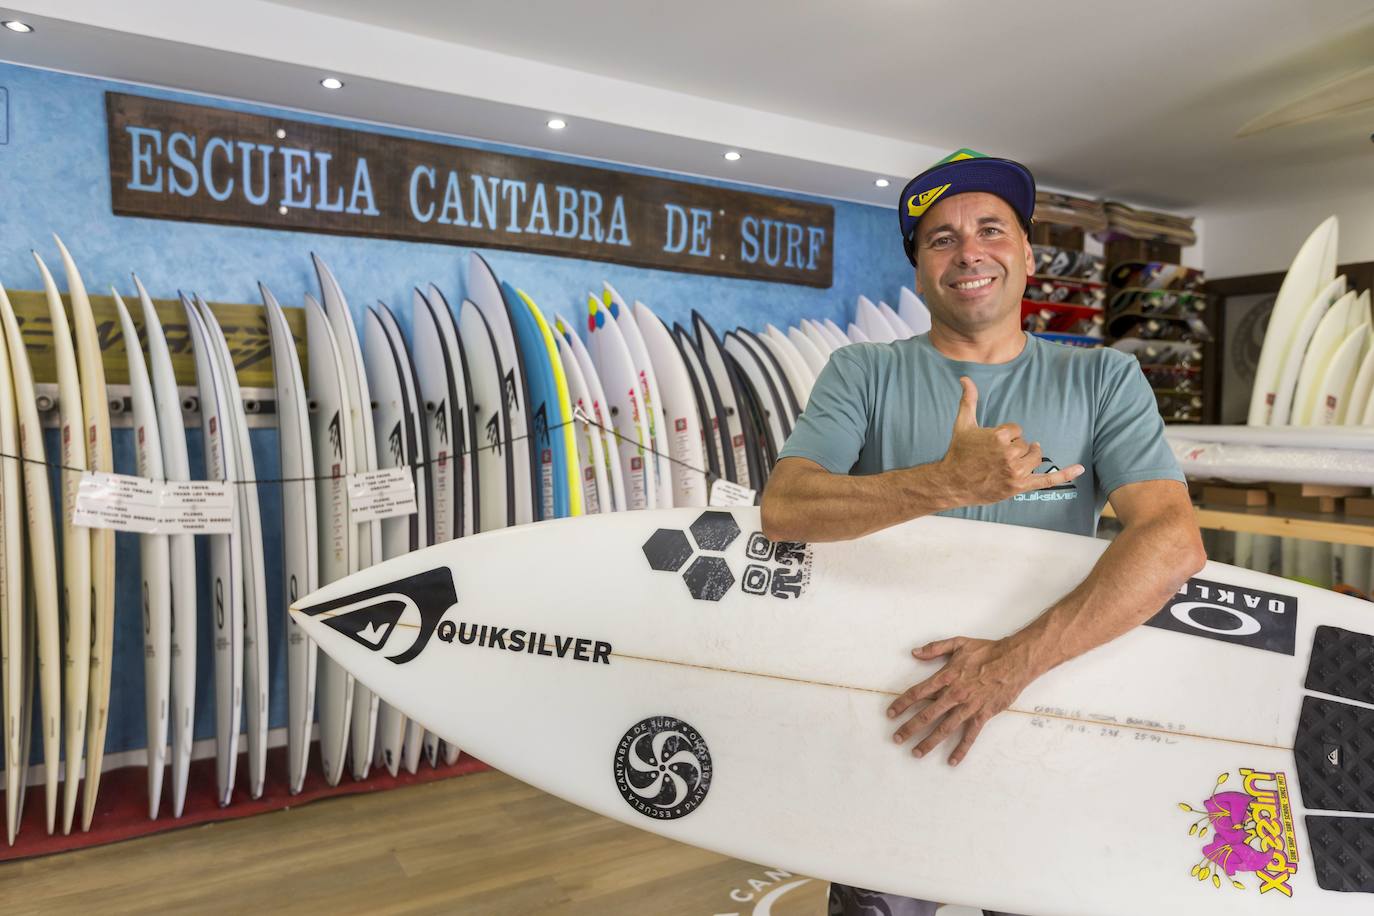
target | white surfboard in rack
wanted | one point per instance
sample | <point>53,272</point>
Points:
<point>730,692</point>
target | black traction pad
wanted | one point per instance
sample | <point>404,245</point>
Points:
<point>1342,664</point>
<point>1334,753</point>
<point>1342,853</point>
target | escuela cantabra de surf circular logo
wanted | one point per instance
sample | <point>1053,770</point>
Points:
<point>662,768</point>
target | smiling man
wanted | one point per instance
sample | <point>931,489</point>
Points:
<point>978,419</point>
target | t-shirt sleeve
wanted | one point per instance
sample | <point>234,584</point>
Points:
<point>832,429</point>
<point>1128,436</point>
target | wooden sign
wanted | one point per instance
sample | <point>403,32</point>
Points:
<point>188,162</point>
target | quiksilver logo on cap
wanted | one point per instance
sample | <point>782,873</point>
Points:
<point>918,203</point>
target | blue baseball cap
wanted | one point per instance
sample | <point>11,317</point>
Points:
<point>960,173</point>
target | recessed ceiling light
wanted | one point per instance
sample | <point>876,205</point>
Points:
<point>14,25</point>
<point>881,183</point>
<point>732,156</point>
<point>281,133</point>
<point>330,82</point>
<point>557,124</point>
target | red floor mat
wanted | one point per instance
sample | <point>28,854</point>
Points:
<point>122,808</point>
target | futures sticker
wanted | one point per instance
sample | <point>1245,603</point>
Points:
<point>1229,613</point>
<point>663,768</point>
<point>413,606</point>
<point>1247,831</point>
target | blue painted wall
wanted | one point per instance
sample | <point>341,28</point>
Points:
<point>54,178</point>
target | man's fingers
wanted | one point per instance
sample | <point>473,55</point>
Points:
<point>947,727</point>
<point>938,648</point>
<point>967,417</point>
<point>1052,479</point>
<point>923,719</point>
<point>913,695</point>
<point>975,725</point>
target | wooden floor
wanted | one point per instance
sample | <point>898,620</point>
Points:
<point>477,844</point>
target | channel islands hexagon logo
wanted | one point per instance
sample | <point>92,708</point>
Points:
<point>779,569</point>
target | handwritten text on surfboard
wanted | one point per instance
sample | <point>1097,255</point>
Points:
<point>189,162</point>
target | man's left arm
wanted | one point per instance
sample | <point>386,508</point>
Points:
<point>1158,548</point>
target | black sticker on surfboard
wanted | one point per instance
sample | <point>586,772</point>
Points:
<point>1334,751</point>
<point>1342,853</point>
<point>1231,613</point>
<point>413,605</point>
<point>662,768</point>
<point>1342,664</point>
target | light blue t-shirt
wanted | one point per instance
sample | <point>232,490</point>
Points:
<point>879,407</point>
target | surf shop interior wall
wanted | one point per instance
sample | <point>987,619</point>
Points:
<point>55,178</point>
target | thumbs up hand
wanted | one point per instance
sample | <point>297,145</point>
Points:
<point>983,466</point>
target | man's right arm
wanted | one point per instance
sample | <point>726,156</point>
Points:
<point>805,502</point>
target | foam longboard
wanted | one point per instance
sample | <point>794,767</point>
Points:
<point>719,669</point>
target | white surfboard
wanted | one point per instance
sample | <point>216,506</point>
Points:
<point>721,461</point>
<point>255,666</point>
<point>601,414</point>
<point>331,435</point>
<point>226,557</point>
<point>76,557</point>
<point>396,448</point>
<point>1331,330</point>
<point>815,360</point>
<point>491,421</point>
<point>42,570</point>
<point>722,375</point>
<point>423,527</point>
<point>913,311</point>
<point>181,552</point>
<point>835,333</point>
<point>756,376</point>
<point>300,534</point>
<point>363,730</point>
<point>1312,269</point>
<point>681,415</point>
<point>719,663</point>
<point>787,397</point>
<point>1284,410</point>
<point>16,671</point>
<point>867,317</point>
<point>95,408</point>
<point>155,566</point>
<point>484,292</point>
<point>819,340</point>
<point>616,369</point>
<point>651,396</point>
<point>856,334</point>
<point>1338,381</point>
<point>590,452</point>
<point>894,320</point>
<point>799,377</point>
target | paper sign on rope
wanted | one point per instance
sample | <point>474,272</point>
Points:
<point>136,504</point>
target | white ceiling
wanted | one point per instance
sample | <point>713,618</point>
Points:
<point>1129,100</point>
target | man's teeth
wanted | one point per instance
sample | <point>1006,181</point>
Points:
<point>973,284</point>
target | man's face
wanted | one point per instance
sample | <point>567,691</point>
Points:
<point>972,260</point>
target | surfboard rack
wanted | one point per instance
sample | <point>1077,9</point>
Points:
<point>260,406</point>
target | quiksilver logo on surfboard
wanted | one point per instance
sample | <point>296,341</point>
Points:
<point>662,768</point>
<point>777,569</point>
<point>399,617</point>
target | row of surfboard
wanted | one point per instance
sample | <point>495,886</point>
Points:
<point>1316,369</point>
<point>502,415</point>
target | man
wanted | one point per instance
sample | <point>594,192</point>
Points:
<point>980,420</point>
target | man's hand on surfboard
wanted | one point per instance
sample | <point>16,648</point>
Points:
<point>983,466</point>
<point>981,678</point>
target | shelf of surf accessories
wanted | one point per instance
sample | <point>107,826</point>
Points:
<point>1282,523</point>
<point>1065,322</point>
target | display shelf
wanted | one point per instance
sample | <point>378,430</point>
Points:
<point>1263,520</point>
<point>1074,340</point>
